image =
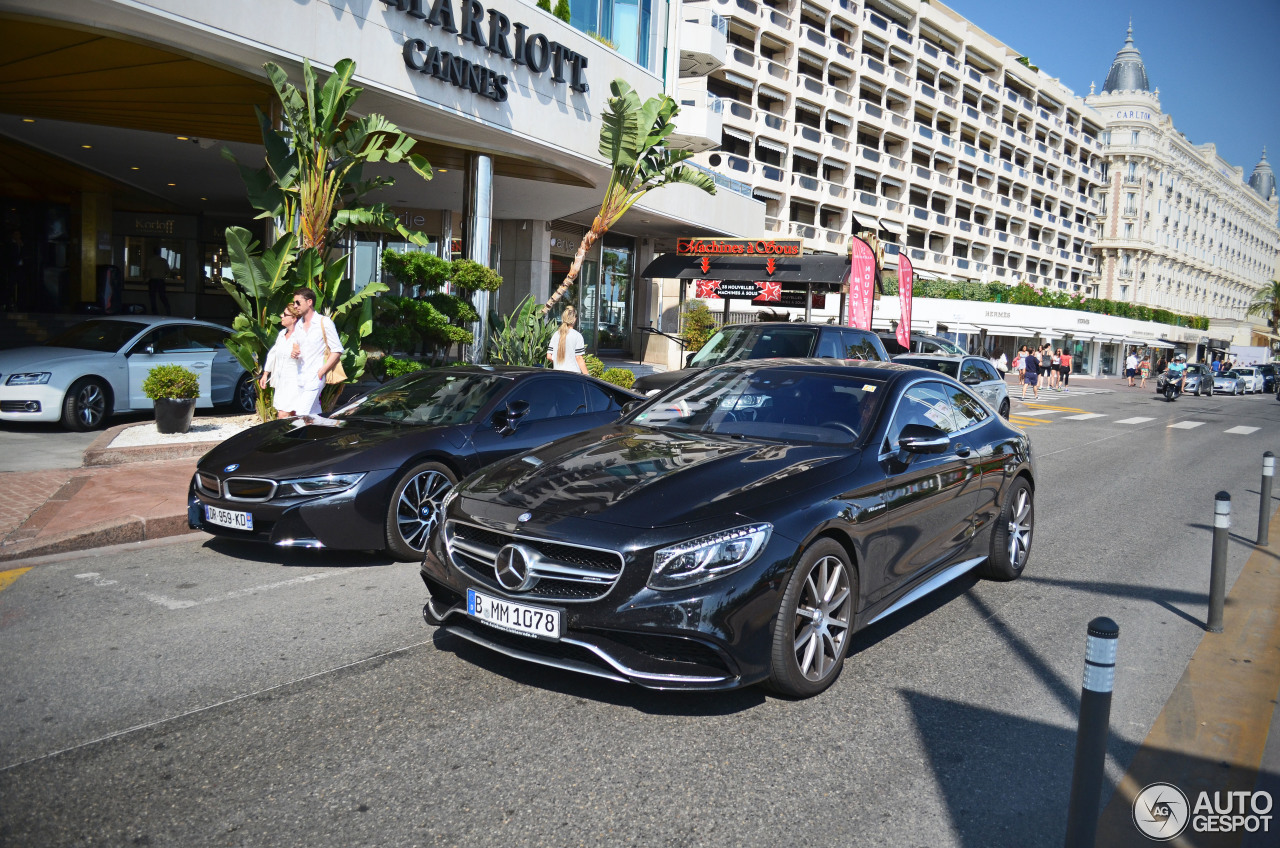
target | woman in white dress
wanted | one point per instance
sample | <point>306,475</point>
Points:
<point>567,347</point>
<point>282,371</point>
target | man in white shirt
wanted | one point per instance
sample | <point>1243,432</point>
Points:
<point>314,332</point>
<point>1131,367</point>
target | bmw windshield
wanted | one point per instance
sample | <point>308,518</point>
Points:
<point>429,398</point>
<point>771,404</point>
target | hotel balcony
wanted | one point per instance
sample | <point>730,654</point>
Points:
<point>704,40</point>
<point>698,124</point>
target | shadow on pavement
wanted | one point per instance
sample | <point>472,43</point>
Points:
<point>1165,598</point>
<point>297,557</point>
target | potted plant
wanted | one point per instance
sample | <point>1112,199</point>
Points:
<point>174,390</point>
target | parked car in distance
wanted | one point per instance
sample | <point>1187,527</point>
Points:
<point>373,475</point>
<point>770,340</point>
<point>920,343</point>
<point>1197,380</point>
<point>1268,371</point>
<point>1253,380</point>
<point>975,372</point>
<point>1229,382</point>
<point>96,368</point>
<point>737,528</point>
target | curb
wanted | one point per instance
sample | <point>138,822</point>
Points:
<point>99,452</point>
<point>114,532</point>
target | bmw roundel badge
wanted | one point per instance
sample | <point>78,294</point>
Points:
<point>232,467</point>
<point>524,516</point>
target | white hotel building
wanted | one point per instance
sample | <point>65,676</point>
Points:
<point>909,117</point>
<point>1180,228</point>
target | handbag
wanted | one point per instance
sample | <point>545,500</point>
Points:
<point>337,374</point>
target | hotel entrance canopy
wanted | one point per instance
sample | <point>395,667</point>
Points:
<point>827,273</point>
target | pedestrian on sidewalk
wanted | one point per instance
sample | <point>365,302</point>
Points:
<point>567,349</point>
<point>1002,364</point>
<point>1064,363</point>
<point>282,370</point>
<point>1131,367</point>
<point>1055,370</point>
<point>158,271</point>
<point>319,348</point>
<point>1020,363</point>
<point>1144,368</point>
<point>1031,377</point>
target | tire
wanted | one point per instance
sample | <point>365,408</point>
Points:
<point>1169,393</point>
<point>1004,409</point>
<point>245,398</point>
<point>815,619</point>
<point>86,405</point>
<point>414,511</point>
<point>1011,538</point>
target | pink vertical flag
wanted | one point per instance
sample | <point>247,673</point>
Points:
<point>862,272</point>
<point>905,274</point>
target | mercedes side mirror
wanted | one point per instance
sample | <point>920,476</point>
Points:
<point>920,438</point>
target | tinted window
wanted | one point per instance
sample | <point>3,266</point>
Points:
<point>210,337</point>
<point>967,408</point>
<point>176,338</point>
<point>972,371</point>
<point>890,342</point>
<point>950,367</point>
<point>830,345</point>
<point>102,336</point>
<point>923,403</point>
<point>988,369</point>
<point>859,344</point>
<point>599,400</point>
<point>432,397</point>
<point>550,398</point>
<point>758,341</point>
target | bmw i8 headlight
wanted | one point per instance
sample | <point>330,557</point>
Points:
<point>707,557</point>
<point>327,484</point>
<point>33,378</point>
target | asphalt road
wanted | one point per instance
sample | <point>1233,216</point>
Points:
<point>203,693</point>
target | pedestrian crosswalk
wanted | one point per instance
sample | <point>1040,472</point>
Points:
<point>1034,415</point>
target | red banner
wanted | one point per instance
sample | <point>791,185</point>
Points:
<point>905,276</point>
<point>862,277</point>
<point>769,292</point>
<point>706,289</point>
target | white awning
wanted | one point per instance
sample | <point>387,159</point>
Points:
<point>804,154</point>
<point>776,195</point>
<point>892,226</point>
<point>837,118</point>
<point>771,145</point>
<point>741,135</point>
<point>957,327</point>
<point>772,93</point>
<point>1156,343</point>
<point>739,79</point>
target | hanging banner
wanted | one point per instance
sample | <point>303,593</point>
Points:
<point>905,276</point>
<point>769,292</point>
<point>862,275</point>
<point>717,289</point>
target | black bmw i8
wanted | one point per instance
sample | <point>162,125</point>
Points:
<point>736,528</point>
<point>372,476</point>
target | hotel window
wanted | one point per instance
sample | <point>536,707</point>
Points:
<point>624,22</point>
<point>1137,136</point>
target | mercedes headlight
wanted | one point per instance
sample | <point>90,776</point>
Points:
<point>707,557</point>
<point>33,378</point>
<point>327,484</point>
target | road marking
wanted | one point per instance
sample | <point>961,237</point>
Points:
<point>1084,417</point>
<point>1026,422</point>
<point>1243,431</point>
<point>1032,412</point>
<point>7,577</point>
<point>1186,425</point>
<point>177,603</point>
<point>1135,420</point>
<point>1037,405</point>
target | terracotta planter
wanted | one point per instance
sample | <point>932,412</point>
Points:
<point>174,415</point>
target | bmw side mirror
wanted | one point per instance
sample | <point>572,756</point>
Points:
<point>920,438</point>
<point>505,420</point>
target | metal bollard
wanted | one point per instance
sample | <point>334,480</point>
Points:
<point>1218,566</point>
<point>1264,503</point>
<point>1091,736</point>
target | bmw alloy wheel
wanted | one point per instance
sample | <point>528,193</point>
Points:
<point>415,509</point>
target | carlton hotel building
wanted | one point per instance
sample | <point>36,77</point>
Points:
<point>910,119</point>
<point>958,151</point>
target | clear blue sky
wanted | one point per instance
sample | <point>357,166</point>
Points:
<point>1216,63</point>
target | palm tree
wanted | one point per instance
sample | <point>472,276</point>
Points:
<point>1266,304</point>
<point>633,138</point>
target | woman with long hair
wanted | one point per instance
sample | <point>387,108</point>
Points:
<point>567,347</point>
<point>283,368</point>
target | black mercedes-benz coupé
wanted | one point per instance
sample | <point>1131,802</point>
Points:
<point>736,528</point>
